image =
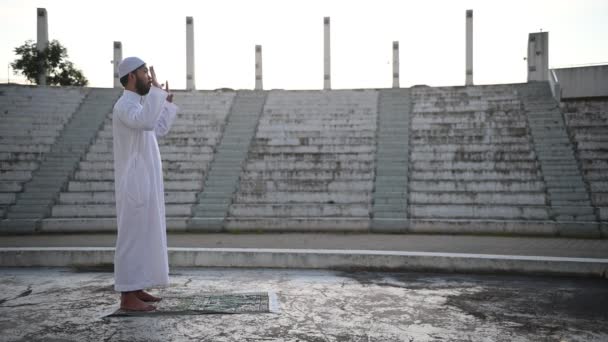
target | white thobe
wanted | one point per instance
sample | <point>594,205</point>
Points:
<point>140,260</point>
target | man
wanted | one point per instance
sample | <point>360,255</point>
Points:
<point>144,112</point>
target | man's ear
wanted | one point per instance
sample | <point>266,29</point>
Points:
<point>132,77</point>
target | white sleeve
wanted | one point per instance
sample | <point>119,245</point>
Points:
<point>145,117</point>
<point>167,116</point>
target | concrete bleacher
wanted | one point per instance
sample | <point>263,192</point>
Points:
<point>567,195</point>
<point>503,159</point>
<point>31,118</point>
<point>186,153</point>
<point>214,201</point>
<point>311,163</point>
<point>472,157</point>
<point>587,122</point>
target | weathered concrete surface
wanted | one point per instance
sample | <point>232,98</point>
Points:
<point>67,305</point>
<point>319,259</point>
<point>445,253</point>
<point>505,245</point>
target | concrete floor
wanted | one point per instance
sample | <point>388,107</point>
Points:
<point>504,245</point>
<point>60,304</point>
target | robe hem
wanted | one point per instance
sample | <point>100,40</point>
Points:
<point>139,286</point>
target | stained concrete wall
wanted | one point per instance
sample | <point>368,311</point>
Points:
<point>583,82</point>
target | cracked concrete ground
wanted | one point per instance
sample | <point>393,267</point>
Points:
<point>60,304</point>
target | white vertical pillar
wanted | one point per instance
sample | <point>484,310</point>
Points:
<point>190,84</point>
<point>326,56</point>
<point>258,68</point>
<point>395,64</point>
<point>42,41</point>
<point>116,61</point>
<point>469,69</point>
<point>538,56</point>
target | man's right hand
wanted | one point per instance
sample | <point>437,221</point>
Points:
<point>154,81</point>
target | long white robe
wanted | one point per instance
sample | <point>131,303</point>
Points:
<point>140,260</point>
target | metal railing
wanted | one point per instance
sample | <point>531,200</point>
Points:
<point>556,89</point>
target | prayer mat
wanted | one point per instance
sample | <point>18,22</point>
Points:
<point>209,303</point>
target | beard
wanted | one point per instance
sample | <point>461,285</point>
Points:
<point>142,87</point>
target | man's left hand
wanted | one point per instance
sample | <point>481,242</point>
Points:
<point>170,96</point>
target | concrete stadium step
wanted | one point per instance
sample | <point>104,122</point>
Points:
<point>10,186</point>
<point>203,145</point>
<point>474,148</point>
<point>446,165</point>
<point>255,165</point>
<point>312,149</point>
<point>603,213</point>
<point>466,139</point>
<point>458,211</point>
<point>595,154</point>
<point>7,198</point>
<point>251,185</point>
<point>598,186</point>
<point>295,224</point>
<point>495,198</point>
<point>386,199</point>
<point>308,174</point>
<point>171,197</point>
<point>329,121</point>
<point>389,184</point>
<point>314,128</point>
<point>109,175</point>
<point>176,156</point>
<point>586,119</point>
<point>477,117</point>
<point>501,125</point>
<point>98,224</point>
<point>471,175</point>
<point>33,126</point>
<point>592,165</point>
<point>313,141</point>
<point>472,156</point>
<point>593,145</point>
<point>591,137</point>
<point>75,186</point>
<point>26,140</point>
<point>109,210</point>
<point>177,131</point>
<point>311,157</point>
<point>317,134</point>
<point>167,165</point>
<point>459,132</point>
<point>595,175</point>
<point>299,210</point>
<point>20,176</point>
<point>572,212</point>
<point>27,132</point>
<point>478,186</point>
<point>25,148</point>
<point>304,197</point>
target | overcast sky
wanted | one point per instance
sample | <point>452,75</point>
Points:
<point>431,35</point>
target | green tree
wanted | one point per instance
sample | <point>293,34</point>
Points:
<point>60,71</point>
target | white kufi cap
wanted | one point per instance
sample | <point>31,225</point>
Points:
<point>129,64</point>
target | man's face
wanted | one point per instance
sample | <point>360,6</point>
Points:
<point>143,81</point>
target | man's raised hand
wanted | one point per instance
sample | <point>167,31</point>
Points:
<point>154,81</point>
<point>170,96</point>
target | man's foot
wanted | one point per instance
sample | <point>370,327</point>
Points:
<point>146,297</point>
<point>130,302</point>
